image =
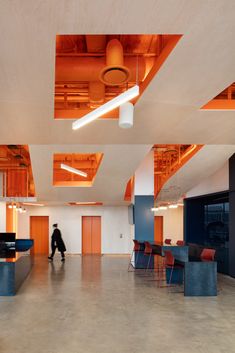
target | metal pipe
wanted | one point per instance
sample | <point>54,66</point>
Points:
<point>74,69</point>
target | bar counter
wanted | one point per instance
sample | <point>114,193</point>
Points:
<point>14,269</point>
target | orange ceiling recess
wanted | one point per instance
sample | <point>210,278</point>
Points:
<point>85,203</point>
<point>223,101</point>
<point>168,159</point>
<point>90,70</point>
<point>15,167</point>
<point>86,162</point>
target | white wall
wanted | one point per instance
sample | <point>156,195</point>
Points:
<point>219,181</point>
<point>172,223</point>
<point>114,222</point>
<point>144,176</point>
<point>2,216</point>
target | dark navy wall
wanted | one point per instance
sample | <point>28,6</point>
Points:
<point>232,216</point>
<point>196,231</point>
<point>194,220</point>
<point>144,218</point>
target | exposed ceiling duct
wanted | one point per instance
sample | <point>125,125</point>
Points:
<point>115,72</point>
<point>86,69</point>
<point>95,43</point>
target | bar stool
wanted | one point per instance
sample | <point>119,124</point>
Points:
<point>148,251</point>
<point>167,241</point>
<point>180,242</point>
<point>207,254</point>
<point>170,264</point>
<point>136,251</point>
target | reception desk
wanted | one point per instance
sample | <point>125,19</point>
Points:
<point>15,268</point>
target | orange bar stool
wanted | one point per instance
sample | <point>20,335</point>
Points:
<point>148,251</point>
<point>180,242</point>
<point>170,264</point>
<point>207,254</point>
<point>135,251</point>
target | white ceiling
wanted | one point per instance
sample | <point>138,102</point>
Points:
<point>201,66</point>
<point>118,165</point>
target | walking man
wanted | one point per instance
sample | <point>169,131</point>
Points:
<point>57,242</point>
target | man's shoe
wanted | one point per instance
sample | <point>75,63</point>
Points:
<point>50,258</point>
<point>63,259</point>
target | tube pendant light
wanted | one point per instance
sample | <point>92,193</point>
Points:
<point>107,107</point>
<point>126,114</point>
<point>73,170</point>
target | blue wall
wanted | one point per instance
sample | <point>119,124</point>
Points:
<point>144,218</point>
<point>144,226</point>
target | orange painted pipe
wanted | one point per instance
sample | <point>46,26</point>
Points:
<point>74,69</point>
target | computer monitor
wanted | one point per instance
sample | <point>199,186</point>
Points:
<point>7,242</point>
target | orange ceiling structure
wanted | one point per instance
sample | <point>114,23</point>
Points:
<point>85,162</point>
<point>15,166</point>
<point>168,159</point>
<point>92,69</point>
<point>223,101</point>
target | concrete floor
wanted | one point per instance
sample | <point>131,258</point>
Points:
<point>93,304</point>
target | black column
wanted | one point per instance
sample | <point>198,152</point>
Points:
<point>232,216</point>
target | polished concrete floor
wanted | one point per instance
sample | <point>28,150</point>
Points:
<point>93,304</point>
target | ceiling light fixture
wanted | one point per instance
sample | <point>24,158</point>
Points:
<point>155,209</point>
<point>86,203</point>
<point>73,170</point>
<point>33,204</point>
<point>126,115</point>
<point>163,208</point>
<point>174,205</point>
<point>107,107</point>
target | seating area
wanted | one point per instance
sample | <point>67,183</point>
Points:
<point>173,263</point>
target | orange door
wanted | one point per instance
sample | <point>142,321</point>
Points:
<point>39,231</point>
<point>158,229</point>
<point>86,235</point>
<point>91,235</point>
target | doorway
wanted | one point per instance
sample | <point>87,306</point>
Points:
<point>91,235</point>
<point>158,229</point>
<point>39,232</point>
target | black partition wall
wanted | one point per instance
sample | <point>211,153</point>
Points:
<point>206,224</point>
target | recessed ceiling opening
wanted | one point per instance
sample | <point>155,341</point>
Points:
<point>90,70</point>
<point>87,163</point>
<point>223,101</point>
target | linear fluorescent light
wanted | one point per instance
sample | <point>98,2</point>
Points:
<point>32,204</point>
<point>86,203</point>
<point>107,107</point>
<point>154,209</point>
<point>173,206</point>
<point>162,207</point>
<point>73,170</point>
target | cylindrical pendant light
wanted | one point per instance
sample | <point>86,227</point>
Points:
<point>126,114</point>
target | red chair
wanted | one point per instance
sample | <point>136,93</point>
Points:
<point>170,264</point>
<point>207,255</point>
<point>148,251</point>
<point>136,251</point>
<point>180,242</point>
<point>167,241</point>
